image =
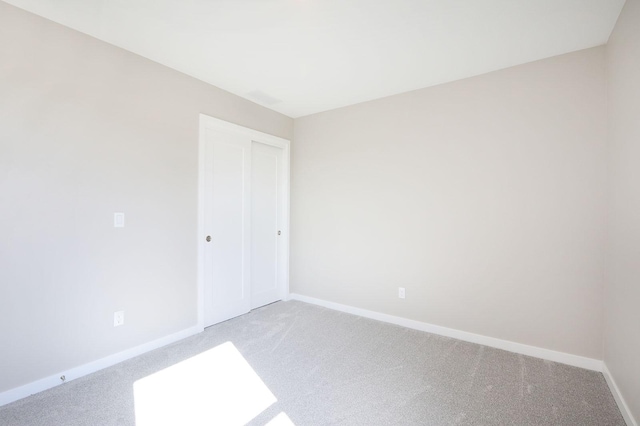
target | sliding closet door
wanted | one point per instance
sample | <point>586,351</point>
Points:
<point>227,221</point>
<point>243,229</point>
<point>266,218</point>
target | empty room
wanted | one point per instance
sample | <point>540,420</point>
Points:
<point>319,212</point>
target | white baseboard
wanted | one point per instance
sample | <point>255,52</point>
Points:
<point>622,405</point>
<point>519,348</point>
<point>54,380</point>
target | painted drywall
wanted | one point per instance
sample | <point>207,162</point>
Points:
<point>301,57</point>
<point>622,312</point>
<point>484,198</point>
<point>86,130</point>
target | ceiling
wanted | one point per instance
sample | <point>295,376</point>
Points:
<point>300,57</point>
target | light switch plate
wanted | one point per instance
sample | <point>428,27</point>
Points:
<point>118,220</point>
<point>118,318</point>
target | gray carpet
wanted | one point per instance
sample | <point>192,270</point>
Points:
<point>323,367</point>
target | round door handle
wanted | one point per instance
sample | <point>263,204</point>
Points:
<point>208,238</point>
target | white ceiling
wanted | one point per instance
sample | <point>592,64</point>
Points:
<point>300,57</point>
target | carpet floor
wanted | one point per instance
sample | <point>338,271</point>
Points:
<point>295,363</point>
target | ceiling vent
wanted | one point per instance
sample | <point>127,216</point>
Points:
<point>263,98</point>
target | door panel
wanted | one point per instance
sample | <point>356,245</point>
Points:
<point>228,277</point>
<point>266,214</point>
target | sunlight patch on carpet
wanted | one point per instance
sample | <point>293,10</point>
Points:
<point>216,387</point>
<point>281,420</point>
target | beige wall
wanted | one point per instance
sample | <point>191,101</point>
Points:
<point>484,198</point>
<point>87,129</point>
<point>622,309</point>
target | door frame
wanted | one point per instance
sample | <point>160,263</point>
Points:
<point>208,122</point>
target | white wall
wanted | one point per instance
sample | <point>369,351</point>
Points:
<point>622,309</point>
<point>87,129</point>
<point>485,198</point>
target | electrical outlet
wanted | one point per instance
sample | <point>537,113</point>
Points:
<point>118,220</point>
<point>401,292</point>
<point>118,318</point>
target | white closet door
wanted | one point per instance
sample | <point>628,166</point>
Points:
<point>243,250</point>
<point>227,273</point>
<point>267,189</point>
